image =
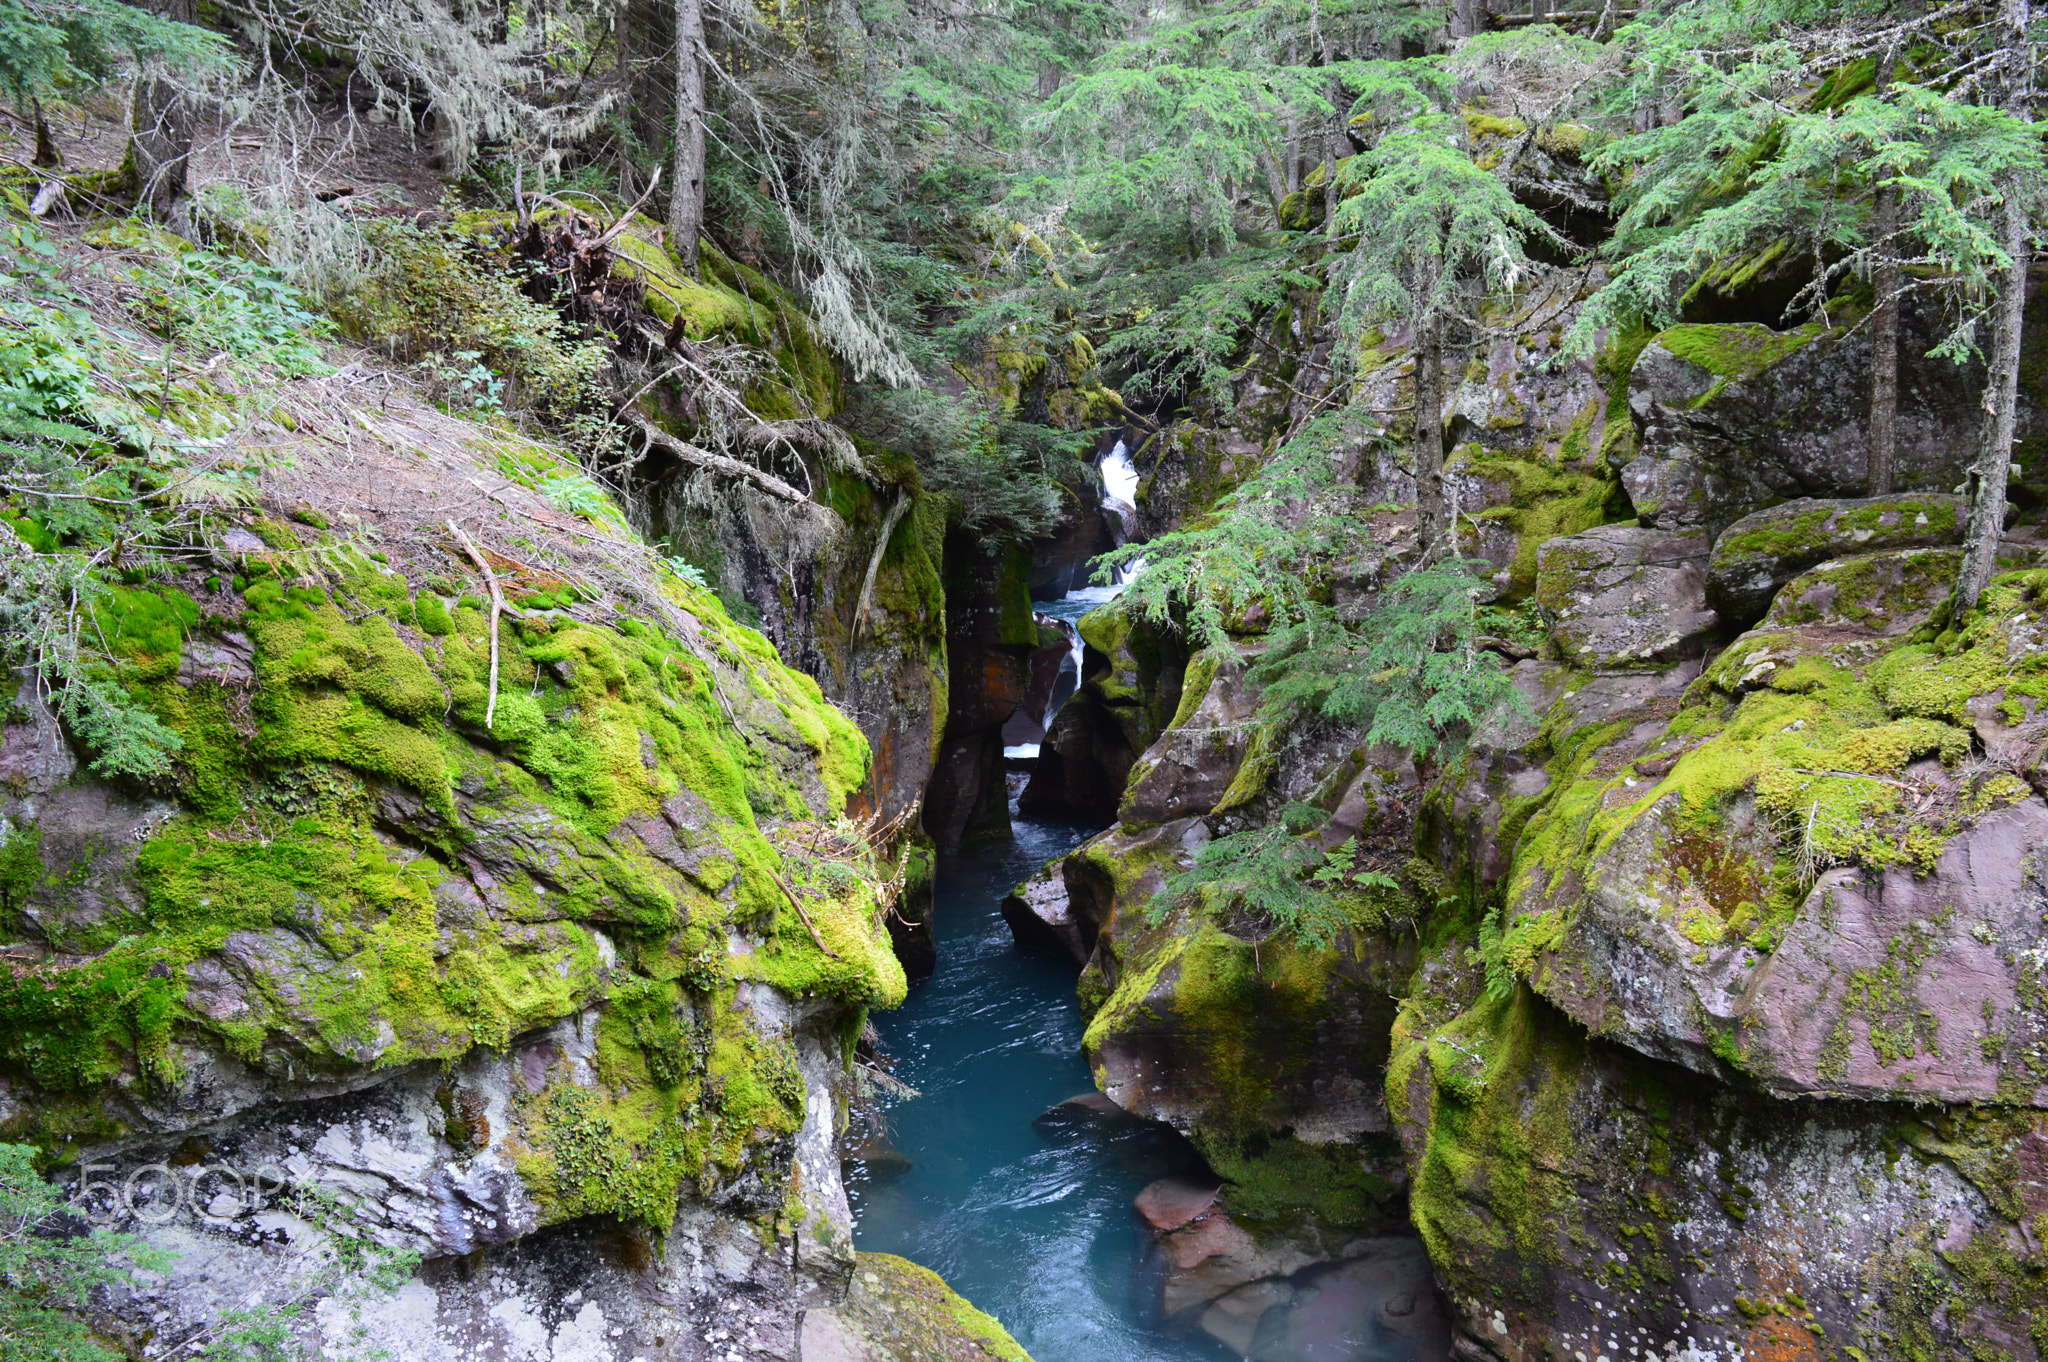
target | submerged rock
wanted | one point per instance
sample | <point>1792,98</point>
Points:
<point>879,1160</point>
<point>1300,1292</point>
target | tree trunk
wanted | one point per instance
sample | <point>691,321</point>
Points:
<point>1885,280</point>
<point>1276,179</point>
<point>1293,125</point>
<point>686,190</point>
<point>48,155</point>
<point>1428,449</point>
<point>160,131</point>
<point>2001,393</point>
<point>2001,403</point>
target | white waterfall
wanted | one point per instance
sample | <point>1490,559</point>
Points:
<point>1120,494</point>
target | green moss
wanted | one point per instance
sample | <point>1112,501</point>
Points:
<point>1825,527</point>
<point>432,615</point>
<point>1543,504</point>
<point>1886,997</point>
<point>1200,675</point>
<point>21,867</point>
<point>909,1314</point>
<point>352,961</point>
<point>146,628</point>
<point>729,299</point>
<point>1494,1174</point>
<point>1735,352</point>
<point>70,1029</point>
<point>1613,365</point>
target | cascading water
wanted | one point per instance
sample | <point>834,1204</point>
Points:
<point>1120,494</point>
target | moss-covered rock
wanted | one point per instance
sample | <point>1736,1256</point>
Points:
<point>1766,549</point>
<point>1576,1197</point>
<point>1735,417</point>
<point>1627,596</point>
<point>1262,1053</point>
<point>897,1311</point>
<point>1677,894</point>
<point>491,936</point>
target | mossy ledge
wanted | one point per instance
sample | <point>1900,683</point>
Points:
<point>361,862</point>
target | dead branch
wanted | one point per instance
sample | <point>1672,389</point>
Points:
<point>867,586</point>
<point>718,463</point>
<point>497,610</point>
<point>805,917</point>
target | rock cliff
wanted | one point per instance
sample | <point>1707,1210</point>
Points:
<point>1705,1018</point>
<point>478,973</point>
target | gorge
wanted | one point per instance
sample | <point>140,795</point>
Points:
<point>805,682</point>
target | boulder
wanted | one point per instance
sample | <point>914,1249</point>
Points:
<point>1734,417</point>
<point>1627,595</point>
<point>1298,1292</point>
<point>1170,1203</point>
<point>1580,1199</point>
<point>1191,767</point>
<point>1765,549</point>
<point>1800,877</point>
<point>1081,767</point>
<point>878,1160</point>
<point>1381,1304</point>
<point>896,1311</point>
<point>1083,1111</point>
<point>1041,918</point>
<point>1880,595</point>
<point>1194,1026</point>
<point>991,636</point>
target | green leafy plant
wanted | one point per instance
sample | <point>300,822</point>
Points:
<point>50,1268</point>
<point>221,304</point>
<point>688,571</point>
<point>1276,879</point>
<point>1263,553</point>
<point>1410,672</point>
<point>445,298</point>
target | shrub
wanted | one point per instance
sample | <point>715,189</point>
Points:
<point>435,297</point>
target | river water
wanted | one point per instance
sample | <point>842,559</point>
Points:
<point>1036,1229</point>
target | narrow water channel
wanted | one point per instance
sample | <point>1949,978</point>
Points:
<point>1035,1228</point>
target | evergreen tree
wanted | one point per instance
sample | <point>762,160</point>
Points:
<point>1424,224</point>
<point>2018,191</point>
<point>1790,147</point>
